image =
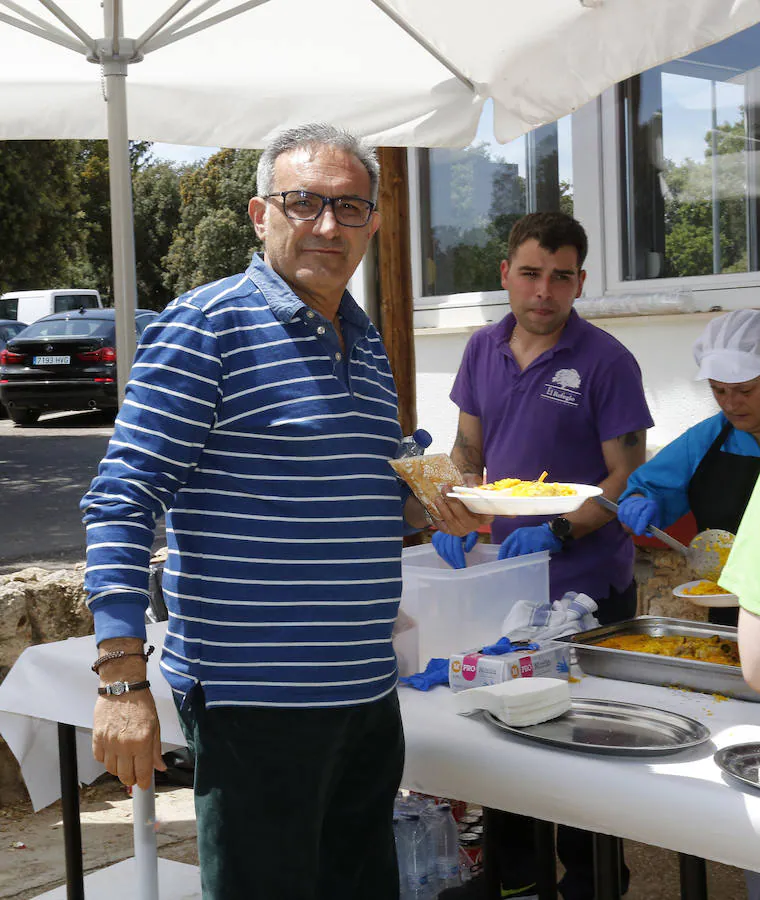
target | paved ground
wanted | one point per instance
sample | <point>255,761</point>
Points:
<point>107,838</point>
<point>44,471</point>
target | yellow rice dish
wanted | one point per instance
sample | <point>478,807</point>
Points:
<point>705,587</point>
<point>714,649</point>
<point>515,487</point>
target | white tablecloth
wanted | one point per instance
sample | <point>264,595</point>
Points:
<point>682,802</point>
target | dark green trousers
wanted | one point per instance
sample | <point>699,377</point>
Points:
<point>296,804</point>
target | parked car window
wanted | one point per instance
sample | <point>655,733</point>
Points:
<point>8,309</point>
<point>10,331</point>
<point>142,321</point>
<point>70,302</point>
<point>84,327</point>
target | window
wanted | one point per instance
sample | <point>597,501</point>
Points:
<point>469,200</point>
<point>70,302</point>
<point>690,140</point>
<point>84,327</point>
<point>8,309</point>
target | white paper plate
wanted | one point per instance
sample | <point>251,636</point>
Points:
<point>500,503</point>
<point>713,600</point>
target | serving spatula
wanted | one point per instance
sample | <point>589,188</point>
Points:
<point>706,554</point>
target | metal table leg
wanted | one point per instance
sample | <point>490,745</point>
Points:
<point>72,826</point>
<point>693,877</point>
<point>546,861</point>
<point>606,867</point>
<point>492,844</point>
<point>146,852</point>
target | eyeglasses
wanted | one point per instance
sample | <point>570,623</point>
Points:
<point>305,206</point>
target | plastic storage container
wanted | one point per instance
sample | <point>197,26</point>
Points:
<point>459,609</point>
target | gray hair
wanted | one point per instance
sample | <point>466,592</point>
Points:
<point>312,136</point>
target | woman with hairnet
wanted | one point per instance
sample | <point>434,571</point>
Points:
<point>712,468</point>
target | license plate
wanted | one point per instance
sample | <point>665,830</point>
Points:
<point>51,360</point>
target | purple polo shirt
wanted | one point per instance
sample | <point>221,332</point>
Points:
<point>555,415</point>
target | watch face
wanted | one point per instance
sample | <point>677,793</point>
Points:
<point>118,687</point>
<point>562,528</point>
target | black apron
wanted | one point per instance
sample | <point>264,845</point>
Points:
<point>719,492</point>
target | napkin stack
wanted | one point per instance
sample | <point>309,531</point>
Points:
<point>521,702</point>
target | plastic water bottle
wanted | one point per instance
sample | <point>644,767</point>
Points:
<point>447,848</point>
<point>414,444</point>
<point>413,858</point>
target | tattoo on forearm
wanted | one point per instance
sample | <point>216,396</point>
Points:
<point>632,439</point>
<point>468,457</point>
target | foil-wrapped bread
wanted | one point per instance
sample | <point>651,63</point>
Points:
<point>426,475</point>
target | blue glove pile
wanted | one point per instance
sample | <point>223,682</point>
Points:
<point>452,549</point>
<point>531,539</point>
<point>436,672</point>
<point>638,513</point>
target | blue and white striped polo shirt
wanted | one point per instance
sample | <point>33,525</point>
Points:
<point>284,518</point>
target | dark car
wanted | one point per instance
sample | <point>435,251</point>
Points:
<point>9,328</point>
<point>64,361</point>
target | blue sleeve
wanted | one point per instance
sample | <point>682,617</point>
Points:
<point>169,406</point>
<point>406,492</point>
<point>665,478</point>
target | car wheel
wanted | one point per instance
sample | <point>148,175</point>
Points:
<point>23,415</point>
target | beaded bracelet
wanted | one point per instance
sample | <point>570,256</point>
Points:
<point>119,654</point>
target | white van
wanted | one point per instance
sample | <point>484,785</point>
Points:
<point>28,306</point>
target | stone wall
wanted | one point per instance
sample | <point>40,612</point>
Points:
<point>657,573</point>
<point>37,606</point>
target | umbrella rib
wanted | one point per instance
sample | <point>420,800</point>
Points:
<point>163,20</point>
<point>424,43</point>
<point>162,40</point>
<point>69,23</point>
<point>47,33</point>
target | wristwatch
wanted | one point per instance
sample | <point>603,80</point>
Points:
<point>117,688</point>
<point>562,529</point>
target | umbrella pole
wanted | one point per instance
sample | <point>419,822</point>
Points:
<point>122,221</point>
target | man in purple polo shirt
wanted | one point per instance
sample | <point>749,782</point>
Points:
<point>544,389</point>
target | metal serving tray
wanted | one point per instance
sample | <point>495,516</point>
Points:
<point>648,668</point>
<point>617,729</point>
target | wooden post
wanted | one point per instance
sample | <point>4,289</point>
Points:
<point>395,280</point>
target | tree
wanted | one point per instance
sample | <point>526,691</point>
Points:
<point>41,217</point>
<point>156,199</point>
<point>688,207</point>
<point>214,237</point>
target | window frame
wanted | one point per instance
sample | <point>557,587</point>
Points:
<point>730,290</point>
<point>597,201</point>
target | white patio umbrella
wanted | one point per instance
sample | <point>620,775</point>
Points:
<point>400,72</point>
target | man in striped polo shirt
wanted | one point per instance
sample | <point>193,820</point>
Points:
<point>260,416</point>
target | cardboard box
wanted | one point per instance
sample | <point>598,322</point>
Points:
<point>473,669</point>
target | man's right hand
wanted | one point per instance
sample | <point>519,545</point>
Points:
<point>127,738</point>
<point>638,512</point>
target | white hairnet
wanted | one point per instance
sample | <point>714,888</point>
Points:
<point>729,348</point>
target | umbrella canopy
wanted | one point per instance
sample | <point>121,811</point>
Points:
<point>400,72</point>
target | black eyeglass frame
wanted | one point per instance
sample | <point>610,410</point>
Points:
<point>326,201</point>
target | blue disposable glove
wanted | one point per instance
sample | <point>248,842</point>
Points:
<point>638,513</point>
<point>531,539</point>
<point>452,549</point>
<point>436,672</point>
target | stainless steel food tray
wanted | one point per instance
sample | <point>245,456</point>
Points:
<point>648,668</point>
<point>742,761</point>
<point>617,729</point>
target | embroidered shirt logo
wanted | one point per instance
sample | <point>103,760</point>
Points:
<point>564,387</point>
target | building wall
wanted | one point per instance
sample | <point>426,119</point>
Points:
<point>661,344</point>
